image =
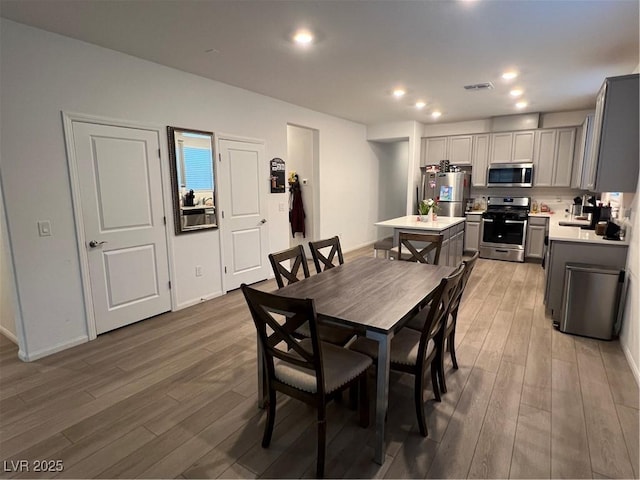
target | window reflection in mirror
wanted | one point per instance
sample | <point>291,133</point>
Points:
<point>193,179</point>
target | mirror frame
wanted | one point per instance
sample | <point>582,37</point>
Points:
<point>173,165</point>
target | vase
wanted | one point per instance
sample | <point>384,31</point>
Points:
<point>432,216</point>
<point>424,218</point>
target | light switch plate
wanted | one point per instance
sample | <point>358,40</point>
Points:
<point>44,228</point>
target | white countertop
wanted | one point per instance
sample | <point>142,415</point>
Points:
<point>576,234</point>
<point>412,222</point>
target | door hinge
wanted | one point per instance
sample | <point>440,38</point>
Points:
<point>164,219</point>
<point>159,155</point>
<point>169,284</point>
<point>219,157</point>
<point>222,213</point>
<point>225,269</point>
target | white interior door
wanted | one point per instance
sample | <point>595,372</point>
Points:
<point>123,219</point>
<point>243,195</point>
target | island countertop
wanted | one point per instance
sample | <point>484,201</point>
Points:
<point>412,222</point>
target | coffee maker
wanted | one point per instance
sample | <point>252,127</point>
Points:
<point>598,214</point>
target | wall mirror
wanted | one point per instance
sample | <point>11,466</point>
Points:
<point>193,179</point>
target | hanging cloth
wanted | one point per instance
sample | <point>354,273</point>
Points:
<point>296,208</point>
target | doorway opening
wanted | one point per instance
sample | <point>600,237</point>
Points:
<point>302,158</point>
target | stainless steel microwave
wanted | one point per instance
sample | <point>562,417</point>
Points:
<point>510,175</point>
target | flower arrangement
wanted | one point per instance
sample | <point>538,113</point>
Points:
<point>429,205</point>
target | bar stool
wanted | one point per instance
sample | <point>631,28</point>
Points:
<point>383,245</point>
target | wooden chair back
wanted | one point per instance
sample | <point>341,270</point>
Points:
<point>276,318</point>
<point>408,240</point>
<point>469,265</point>
<point>297,259</point>
<point>323,260</point>
<point>440,307</point>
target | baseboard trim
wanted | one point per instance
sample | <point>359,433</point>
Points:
<point>195,301</point>
<point>632,365</point>
<point>30,357</point>
<point>10,335</point>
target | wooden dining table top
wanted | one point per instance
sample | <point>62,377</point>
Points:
<point>371,293</point>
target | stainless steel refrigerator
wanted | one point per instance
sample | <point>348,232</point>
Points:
<point>451,189</point>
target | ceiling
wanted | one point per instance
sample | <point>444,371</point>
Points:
<point>562,49</point>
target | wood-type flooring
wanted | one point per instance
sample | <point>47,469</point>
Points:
<point>174,396</point>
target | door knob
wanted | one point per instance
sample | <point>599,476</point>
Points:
<point>94,243</point>
<point>263,221</point>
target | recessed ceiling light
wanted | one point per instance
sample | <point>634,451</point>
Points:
<point>420,104</point>
<point>521,104</point>
<point>516,92</point>
<point>510,75</point>
<point>398,92</point>
<point>303,37</point>
<point>436,114</point>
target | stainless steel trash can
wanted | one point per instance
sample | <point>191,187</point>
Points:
<point>591,299</point>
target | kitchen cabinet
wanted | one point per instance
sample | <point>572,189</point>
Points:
<point>613,161</point>
<point>583,150</point>
<point>512,147</point>
<point>536,232</point>
<point>434,149</point>
<point>455,245</point>
<point>472,232</point>
<point>480,160</point>
<point>460,149</point>
<point>554,155</point>
<point>457,149</point>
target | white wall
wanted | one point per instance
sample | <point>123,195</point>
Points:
<point>7,289</point>
<point>630,334</point>
<point>44,74</point>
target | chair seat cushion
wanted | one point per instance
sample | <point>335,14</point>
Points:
<point>384,244</point>
<point>340,365</point>
<point>404,347</point>
<point>417,322</point>
<point>328,333</point>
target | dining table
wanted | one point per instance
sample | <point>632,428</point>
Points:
<point>376,297</point>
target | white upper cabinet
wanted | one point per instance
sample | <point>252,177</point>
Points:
<point>512,147</point>
<point>434,149</point>
<point>523,147</point>
<point>457,149</point>
<point>545,144</point>
<point>501,145</point>
<point>480,160</point>
<point>553,161</point>
<point>460,149</point>
<point>563,165</point>
<point>583,149</point>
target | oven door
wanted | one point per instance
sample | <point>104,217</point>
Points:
<point>500,232</point>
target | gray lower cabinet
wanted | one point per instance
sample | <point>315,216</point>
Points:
<point>472,232</point>
<point>563,252</point>
<point>536,232</point>
<point>452,243</point>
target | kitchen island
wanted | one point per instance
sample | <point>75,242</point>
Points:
<point>451,228</point>
<point>571,244</point>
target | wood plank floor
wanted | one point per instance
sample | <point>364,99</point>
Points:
<point>175,397</point>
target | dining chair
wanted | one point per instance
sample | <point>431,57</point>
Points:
<point>449,336</point>
<point>323,258</point>
<point>413,351</point>
<point>416,250</point>
<point>412,241</point>
<point>297,260</point>
<point>452,319</point>
<point>306,369</point>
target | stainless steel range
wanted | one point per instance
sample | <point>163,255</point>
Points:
<point>504,228</point>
